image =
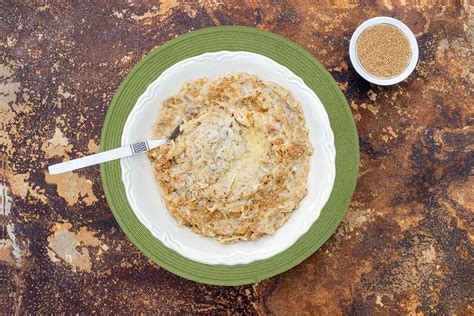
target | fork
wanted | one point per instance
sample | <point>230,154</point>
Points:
<point>117,153</point>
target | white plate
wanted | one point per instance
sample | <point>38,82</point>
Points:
<point>143,190</point>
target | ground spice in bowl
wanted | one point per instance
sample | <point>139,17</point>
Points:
<point>383,51</point>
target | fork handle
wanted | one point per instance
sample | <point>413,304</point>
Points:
<point>121,152</point>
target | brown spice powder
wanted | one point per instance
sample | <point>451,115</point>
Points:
<point>383,50</point>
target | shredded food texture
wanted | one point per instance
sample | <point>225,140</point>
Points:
<point>239,168</point>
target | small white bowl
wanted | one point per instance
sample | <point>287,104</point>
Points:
<point>413,46</point>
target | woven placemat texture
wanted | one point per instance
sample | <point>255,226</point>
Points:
<point>283,51</point>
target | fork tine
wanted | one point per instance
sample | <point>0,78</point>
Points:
<point>176,132</point>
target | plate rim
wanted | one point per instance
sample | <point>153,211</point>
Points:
<point>314,75</point>
<point>238,257</point>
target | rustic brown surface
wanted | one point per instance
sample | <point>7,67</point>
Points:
<point>405,246</point>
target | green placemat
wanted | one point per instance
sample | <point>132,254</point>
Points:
<point>283,51</point>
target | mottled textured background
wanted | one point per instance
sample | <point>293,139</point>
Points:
<point>405,245</point>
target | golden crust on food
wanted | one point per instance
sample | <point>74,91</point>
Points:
<point>240,166</point>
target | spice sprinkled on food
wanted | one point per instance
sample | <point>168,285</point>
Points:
<point>383,51</point>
